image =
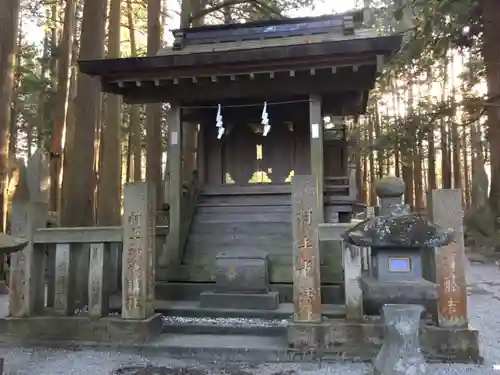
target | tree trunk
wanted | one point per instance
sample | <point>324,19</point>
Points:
<point>9,22</point>
<point>154,144</point>
<point>78,205</point>
<point>371,162</point>
<point>109,196</point>
<point>465,157</point>
<point>15,103</point>
<point>491,54</point>
<point>135,109</point>
<point>61,103</point>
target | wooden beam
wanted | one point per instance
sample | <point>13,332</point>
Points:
<point>174,161</point>
<point>316,138</point>
<point>332,232</point>
<point>322,83</point>
<point>186,76</point>
<point>78,235</point>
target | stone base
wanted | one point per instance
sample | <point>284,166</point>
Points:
<point>81,328</point>
<point>378,293</point>
<point>307,337</point>
<point>261,301</point>
<point>241,272</point>
<point>364,340</point>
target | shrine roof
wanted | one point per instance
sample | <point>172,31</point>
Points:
<point>333,36</point>
<point>296,39</point>
<point>302,55</point>
<point>272,33</point>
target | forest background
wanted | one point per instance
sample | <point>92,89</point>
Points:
<point>433,119</point>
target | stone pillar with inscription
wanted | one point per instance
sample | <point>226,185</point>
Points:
<point>306,331</point>
<point>447,211</point>
<point>138,270</point>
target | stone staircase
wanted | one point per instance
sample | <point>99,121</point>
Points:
<point>242,220</point>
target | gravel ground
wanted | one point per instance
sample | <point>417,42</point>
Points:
<point>484,301</point>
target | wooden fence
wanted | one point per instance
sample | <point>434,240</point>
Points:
<point>66,252</point>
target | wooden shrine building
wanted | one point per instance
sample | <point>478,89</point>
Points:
<point>296,72</point>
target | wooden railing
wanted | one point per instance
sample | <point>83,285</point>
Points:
<point>356,262</point>
<point>341,188</point>
<point>135,238</point>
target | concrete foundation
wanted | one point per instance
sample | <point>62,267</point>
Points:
<point>82,328</point>
<point>329,340</point>
<point>364,340</point>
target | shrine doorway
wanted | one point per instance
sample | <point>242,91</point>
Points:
<point>249,157</point>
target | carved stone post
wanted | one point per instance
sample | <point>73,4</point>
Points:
<point>306,262</point>
<point>138,270</point>
<point>446,211</point>
<point>306,331</point>
<point>26,297</point>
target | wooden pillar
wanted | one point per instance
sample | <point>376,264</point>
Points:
<point>175,184</point>
<point>138,271</point>
<point>27,271</point>
<point>200,155</point>
<point>65,275</point>
<point>99,282</point>
<point>316,137</point>
<point>352,264</point>
<point>189,138</point>
<point>447,211</point>
<point>306,262</point>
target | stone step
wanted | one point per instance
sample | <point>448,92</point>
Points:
<point>230,347</point>
<point>243,209</point>
<point>177,291</point>
<point>191,309</point>
<point>273,217</point>
<point>241,228</point>
<point>225,326</point>
<point>246,199</point>
<point>249,240</point>
<point>207,257</point>
<point>331,273</point>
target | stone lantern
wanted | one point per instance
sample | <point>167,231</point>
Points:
<point>400,242</point>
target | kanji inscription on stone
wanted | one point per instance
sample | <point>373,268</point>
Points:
<point>447,211</point>
<point>306,266</point>
<point>138,250</point>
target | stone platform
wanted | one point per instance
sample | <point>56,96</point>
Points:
<point>82,328</point>
<point>364,340</point>
<point>337,339</point>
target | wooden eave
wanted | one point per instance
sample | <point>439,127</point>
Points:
<point>173,63</point>
<point>299,68</point>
